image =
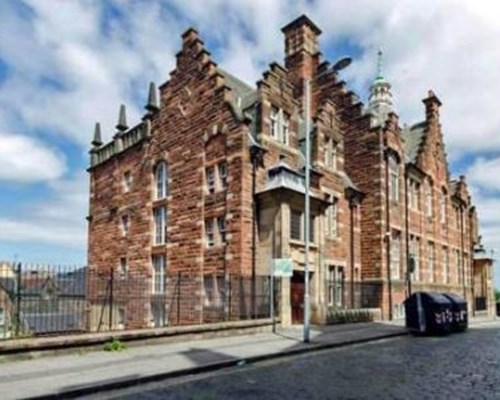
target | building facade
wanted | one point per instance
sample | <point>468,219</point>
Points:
<point>210,185</point>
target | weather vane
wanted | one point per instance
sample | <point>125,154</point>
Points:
<point>379,63</point>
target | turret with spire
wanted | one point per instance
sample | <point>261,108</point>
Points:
<point>152,105</point>
<point>97,140</point>
<point>380,102</point>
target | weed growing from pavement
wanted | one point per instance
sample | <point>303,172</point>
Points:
<point>114,346</point>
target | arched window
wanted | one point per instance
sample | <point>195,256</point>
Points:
<point>161,180</point>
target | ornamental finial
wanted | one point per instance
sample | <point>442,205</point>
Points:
<point>379,63</point>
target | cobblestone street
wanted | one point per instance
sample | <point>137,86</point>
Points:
<point>460,366</point>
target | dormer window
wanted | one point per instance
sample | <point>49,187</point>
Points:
<point>330,153</point>
<point>161,180</point>
<point>274,121</point>
<point>280,125</point>
<point>413,197</point>
<point>285,128</point>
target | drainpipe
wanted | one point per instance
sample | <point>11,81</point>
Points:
<point>462,248</point>
<point>352,207</point>
<point>254,159</point>
<point>407,229</point>
<point>388,233</point>
<point>471,269</point>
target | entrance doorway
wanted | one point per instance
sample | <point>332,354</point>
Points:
<point>297,290</point>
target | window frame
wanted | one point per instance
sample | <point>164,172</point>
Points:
<point>123,267</point>
<point>415,252</point>
<point>285,127</point>
<point>442,207</point>
<point>127,181</point>
<point>210,179</point>
<point>159,281</point>
<point>222,229</point>
<point>161,180</point>
<point>445,265</point>
<point>294,233</point>
<point>331,148</point>
<point>274,117</point>
<point>431,260</point>
<point>429,212</point>
<point>332,218</point>
<point>222,171</point>
<point>209,233</point>
<point>336,286</point>
<point>160,225</point>
<point>125,225</point>
<point>393,180</point>
<point>395,250</point>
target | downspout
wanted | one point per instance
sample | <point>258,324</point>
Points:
<point>388,233</point>
<point>254,230</point>
<point>352,208</point>
<point>408,272</point>
<point>471,269</point>
<point>462,248</point>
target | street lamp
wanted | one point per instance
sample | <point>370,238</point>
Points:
<point>339,65</point>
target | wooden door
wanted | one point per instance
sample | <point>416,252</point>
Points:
<point>297,298</point>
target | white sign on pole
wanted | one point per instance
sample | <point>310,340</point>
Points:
<point>283,267</point>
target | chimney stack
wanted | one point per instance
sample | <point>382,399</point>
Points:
<point>301,51</point>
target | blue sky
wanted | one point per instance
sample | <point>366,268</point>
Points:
<point>66,64</point>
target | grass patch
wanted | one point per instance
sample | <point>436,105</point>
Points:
<point>114,346</point>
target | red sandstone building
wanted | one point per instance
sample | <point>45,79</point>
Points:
<point>210,185</point>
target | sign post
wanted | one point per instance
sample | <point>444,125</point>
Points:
<point>280,267</point>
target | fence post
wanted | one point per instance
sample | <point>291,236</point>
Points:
<point>18,299</point>
<point>178,297</point>
<point>111,276</point>
<point>229,296</point>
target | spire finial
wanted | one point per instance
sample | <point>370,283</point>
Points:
<point>97,141</point>
<point>122,119</point>
<point>152,104</point>
<point>380,55</point>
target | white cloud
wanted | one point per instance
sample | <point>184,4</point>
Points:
<point>485,173</point>
<point>57,220</point>
<point>73,62</point>
<point>27,160</point>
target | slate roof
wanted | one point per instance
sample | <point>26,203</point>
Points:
<point>413,137</point>
<point>245,94</point>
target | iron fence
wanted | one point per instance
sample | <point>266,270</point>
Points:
<point>345,295</point>
<point>480,303</point>
<point>47,300</point>
<point>41,299</point>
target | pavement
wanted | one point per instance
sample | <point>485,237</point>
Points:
<point>87,372</point>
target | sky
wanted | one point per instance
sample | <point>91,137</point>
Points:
<point>65,64</point>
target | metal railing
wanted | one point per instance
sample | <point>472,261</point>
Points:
<point>480,303</point>
<point>349,295</point>
<point>37,300</point>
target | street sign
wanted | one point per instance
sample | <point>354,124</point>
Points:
<point>283,267</point>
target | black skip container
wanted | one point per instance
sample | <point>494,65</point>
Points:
<point>428,313</point>
<point>459,309</point>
